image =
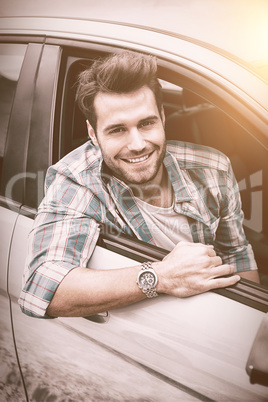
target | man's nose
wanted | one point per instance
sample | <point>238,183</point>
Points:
<point>136,141</point>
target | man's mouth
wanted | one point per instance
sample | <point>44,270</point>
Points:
<point>138,160</point>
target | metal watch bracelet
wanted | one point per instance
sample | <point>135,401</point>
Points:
<point>149,290</point>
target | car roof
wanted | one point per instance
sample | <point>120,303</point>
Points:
<point>44,23</point>
<point>161,43</point>
<point>236,26</point>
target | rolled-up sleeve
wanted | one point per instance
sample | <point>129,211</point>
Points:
<point>63,237</point>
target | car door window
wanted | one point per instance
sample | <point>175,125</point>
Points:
<point>190,117</point>
<point>11,59</point>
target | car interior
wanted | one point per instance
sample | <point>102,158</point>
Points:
<point>191,118</point>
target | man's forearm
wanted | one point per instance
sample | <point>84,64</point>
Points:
<point>85,292</point>
<point>189,269</point>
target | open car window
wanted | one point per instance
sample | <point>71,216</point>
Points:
<point>191,117</point>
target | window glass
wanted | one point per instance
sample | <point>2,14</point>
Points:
<point>11,58</point>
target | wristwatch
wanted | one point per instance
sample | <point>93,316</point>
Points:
<point>147,280</point>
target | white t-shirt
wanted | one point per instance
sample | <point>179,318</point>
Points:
<point>166,226</point>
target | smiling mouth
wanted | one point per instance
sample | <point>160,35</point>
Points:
<point>138,160</point>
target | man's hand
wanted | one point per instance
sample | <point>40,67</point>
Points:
<point>192,268</point>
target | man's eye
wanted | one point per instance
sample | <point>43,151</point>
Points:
<point>147,123</point>
<point>117,130</point>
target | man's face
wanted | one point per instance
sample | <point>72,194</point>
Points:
<point>130,134</point>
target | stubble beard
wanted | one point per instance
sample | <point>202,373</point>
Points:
<point>136,178</point>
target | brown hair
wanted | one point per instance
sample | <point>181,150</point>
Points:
<point>118,73</point>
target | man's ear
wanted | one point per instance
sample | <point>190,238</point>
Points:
<point>92,135</point>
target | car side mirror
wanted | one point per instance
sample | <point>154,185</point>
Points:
<point>257,364</point>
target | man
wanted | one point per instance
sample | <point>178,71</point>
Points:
<point>182,197</point>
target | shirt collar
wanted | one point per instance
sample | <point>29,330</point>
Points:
<point>181,189</point>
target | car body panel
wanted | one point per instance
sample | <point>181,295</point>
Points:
<point>65,364</point>
<point>218,354</point>
<point>216,23</point>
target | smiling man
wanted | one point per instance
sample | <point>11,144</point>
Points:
<point>130,135</point>
<point>131,138</point>
<point>179,196</point>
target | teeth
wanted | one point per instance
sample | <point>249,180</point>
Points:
<point>138,159</point>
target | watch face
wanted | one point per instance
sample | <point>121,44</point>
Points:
<point>147,279</point>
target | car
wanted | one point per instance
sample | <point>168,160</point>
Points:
<point>209,347</point>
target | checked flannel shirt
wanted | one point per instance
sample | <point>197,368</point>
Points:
<point>79,196</point>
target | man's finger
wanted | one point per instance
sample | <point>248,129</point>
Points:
<point>223,282</point>
<point>216,261</point>
<point>211,252</point>
<point>222,270</point>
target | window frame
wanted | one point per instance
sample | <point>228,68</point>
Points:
<point>210,89</point>
<point>245,292</point>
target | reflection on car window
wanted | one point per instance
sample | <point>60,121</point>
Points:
<point>11,58</point>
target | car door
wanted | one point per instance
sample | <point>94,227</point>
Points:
<point>56,362</point>
<point>167,348</point>
<point>11,61</point>
<point>147,343</point>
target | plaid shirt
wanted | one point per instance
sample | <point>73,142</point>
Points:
<point>79,196</point>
